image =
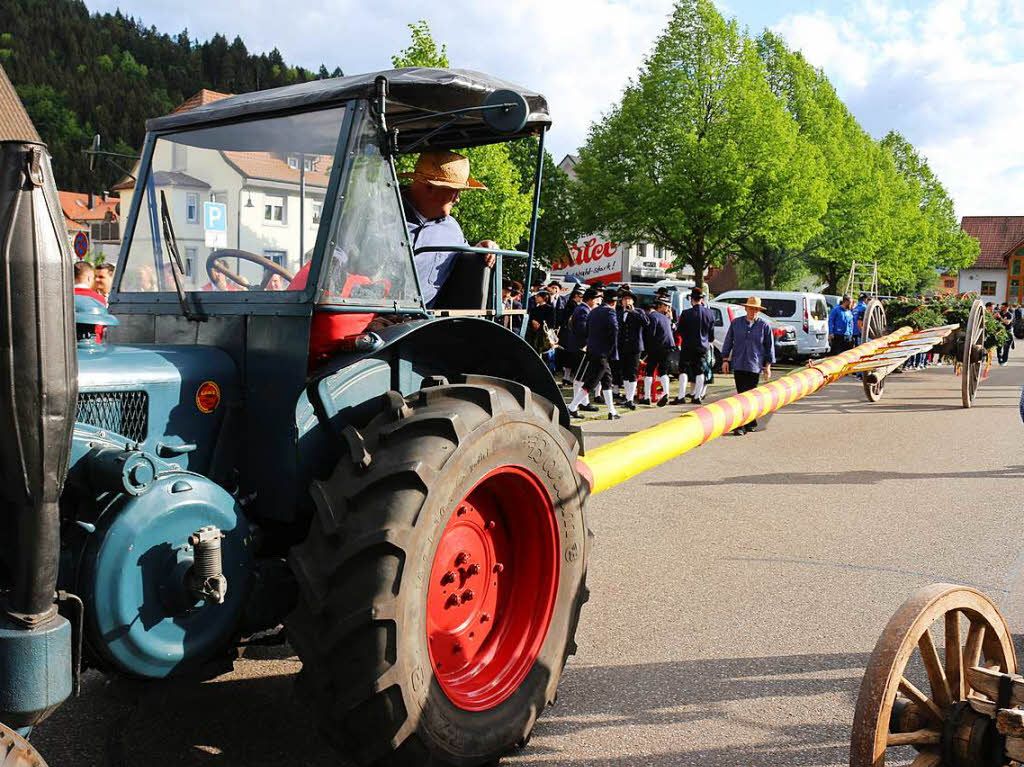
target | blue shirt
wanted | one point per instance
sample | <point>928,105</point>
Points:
<point>858,316</point>
<point>603,332</point>
<point>840,321</point>
<point>432,269</point>
<point>749,346</point>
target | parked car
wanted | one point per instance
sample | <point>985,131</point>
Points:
<point>725,313</point>
<point>806,313</point>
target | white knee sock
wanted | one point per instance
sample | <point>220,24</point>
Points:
<point>566,373</point>
<point>648,386</point>
<point>608,401</point>
<point>577,399</point>
<point>682,385</point>
<point>630,390</point>
<point>576,386</point>
<point>698,387</point>
<point>665,383</point>
<point>597,392</point>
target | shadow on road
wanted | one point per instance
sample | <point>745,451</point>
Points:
<point>662,695</point>
<point>845,477</point>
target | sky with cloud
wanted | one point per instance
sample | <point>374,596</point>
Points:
<point>948,74</point>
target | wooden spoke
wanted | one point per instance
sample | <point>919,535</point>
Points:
<point>974,643</point>
<point>933,667</point>
<point>954,657</point>
<point>927,759</point>
<point>915,738</point>
<point>923,701</point>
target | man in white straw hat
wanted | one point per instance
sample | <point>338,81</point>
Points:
<point>749,349</point>
<point>437,180</point>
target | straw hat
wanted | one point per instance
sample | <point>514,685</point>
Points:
<point>754,302</point>
<point>439,167</point>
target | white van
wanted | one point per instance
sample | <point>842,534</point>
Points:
<point>725,313</point>
<point>806,313</point>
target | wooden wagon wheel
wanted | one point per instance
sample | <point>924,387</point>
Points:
<point>909,695</point>
<point>873,325</point>
<point>973,353</point>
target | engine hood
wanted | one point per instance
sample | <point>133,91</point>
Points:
<point>163,398</point>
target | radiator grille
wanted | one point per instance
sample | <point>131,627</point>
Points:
<point>122,412</point>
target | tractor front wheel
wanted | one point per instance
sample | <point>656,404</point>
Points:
<point>443,576</point>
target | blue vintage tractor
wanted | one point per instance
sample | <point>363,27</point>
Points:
<point>276,430</point>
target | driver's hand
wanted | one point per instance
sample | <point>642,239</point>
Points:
<point>489,258</point>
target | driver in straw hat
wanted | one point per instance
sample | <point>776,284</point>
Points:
<point>437,180</point>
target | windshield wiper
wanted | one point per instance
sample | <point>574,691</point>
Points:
<point>172,251</point>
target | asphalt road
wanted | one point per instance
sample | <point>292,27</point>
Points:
<point>736,594</point>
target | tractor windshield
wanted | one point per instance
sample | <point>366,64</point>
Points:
<point>235,207</point>
<point>369,261</point>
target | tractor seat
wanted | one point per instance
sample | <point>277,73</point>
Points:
<point>468,285</point>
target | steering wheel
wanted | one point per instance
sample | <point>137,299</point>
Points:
<point>215,264</point>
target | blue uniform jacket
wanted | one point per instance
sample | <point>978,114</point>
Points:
<point>631,331</point>
<point>696,327</point>
<point>603,333</point>
<point>577,336</point>
<point>658,333</point>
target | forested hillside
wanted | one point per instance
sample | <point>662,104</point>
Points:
<point>80,73</point>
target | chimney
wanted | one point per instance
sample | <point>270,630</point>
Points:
<point>104,195</point>
<point>90,200</point>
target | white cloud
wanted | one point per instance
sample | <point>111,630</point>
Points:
<point>946,75</point>
<point>578,53</point>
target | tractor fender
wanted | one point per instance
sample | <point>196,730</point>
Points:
<point>350,390</point>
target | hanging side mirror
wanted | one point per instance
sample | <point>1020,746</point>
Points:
<point>506,111</point>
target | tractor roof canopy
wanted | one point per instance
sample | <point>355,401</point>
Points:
<point>415,95</point>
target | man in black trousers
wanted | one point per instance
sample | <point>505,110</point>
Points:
<point>749,349</point>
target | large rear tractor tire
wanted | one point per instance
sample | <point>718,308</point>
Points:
<point>443,576</point>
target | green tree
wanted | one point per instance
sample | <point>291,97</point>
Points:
<point>931,223</point>
<point>422,51</point>
<point>502,212</point>
<point>558,220</point>
<point>699,154</point>
<point>123,74</point>
<point>852,218</point>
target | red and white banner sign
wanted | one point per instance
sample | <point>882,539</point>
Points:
<point>592,259</point>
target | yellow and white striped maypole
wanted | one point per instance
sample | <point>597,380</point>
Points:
<point>615,462</point>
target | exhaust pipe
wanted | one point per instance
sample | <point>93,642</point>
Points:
<point>38,398</point>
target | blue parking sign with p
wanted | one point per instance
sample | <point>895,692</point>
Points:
<point>215,216</point>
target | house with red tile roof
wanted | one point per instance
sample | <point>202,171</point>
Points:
<point>998,274</point>
<point>97,215</point>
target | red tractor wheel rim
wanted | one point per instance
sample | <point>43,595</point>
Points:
<point>492,588</point>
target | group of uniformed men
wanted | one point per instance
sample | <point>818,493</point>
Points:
<point>603,336</point>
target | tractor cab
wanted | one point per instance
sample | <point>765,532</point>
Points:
<point>270,226</point>
<point>285,203</point>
